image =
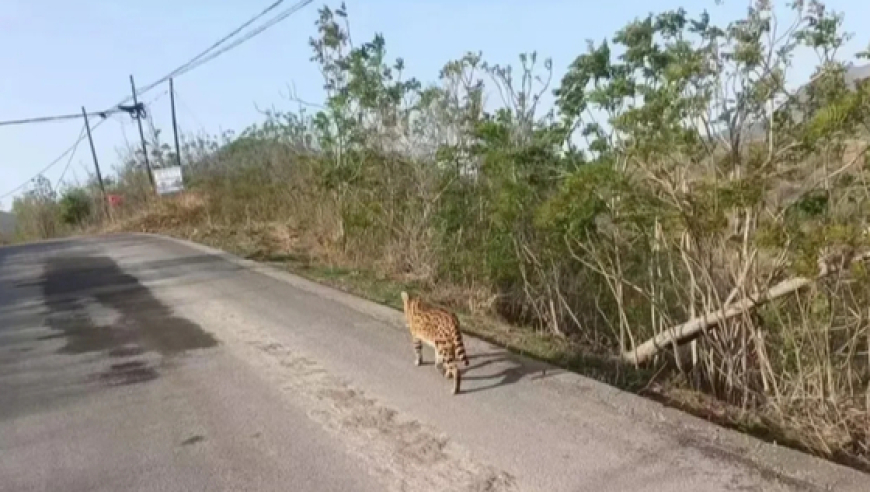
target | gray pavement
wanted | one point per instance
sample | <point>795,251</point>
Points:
<point>135,362</point>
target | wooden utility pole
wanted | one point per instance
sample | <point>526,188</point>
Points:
<point>97,165</point>
<point>138,115</point>
<point>174,123</point>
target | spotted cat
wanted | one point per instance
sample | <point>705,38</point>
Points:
<point>439,328</point>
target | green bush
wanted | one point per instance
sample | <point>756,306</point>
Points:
<point>75,207</point>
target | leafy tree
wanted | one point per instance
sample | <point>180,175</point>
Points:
<point>708,181</point>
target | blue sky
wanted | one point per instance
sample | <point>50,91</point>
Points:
<point>58,55</point>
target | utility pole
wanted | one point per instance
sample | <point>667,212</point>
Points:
<point>97,165</point>
<point>138,115</point>
<point>174,124</point>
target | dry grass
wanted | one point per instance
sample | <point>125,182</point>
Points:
<point>841,438</point>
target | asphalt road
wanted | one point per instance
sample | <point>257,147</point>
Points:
<point>134,362</point>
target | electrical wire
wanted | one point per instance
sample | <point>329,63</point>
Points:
<point>197,60</point>
<point>49,166</point>
<point>275,20</point>
<point>69,162</point>
<point>186,67</point>
<point>204,52</point>
<point>180,101</point>
<point>62,117</point>
<point>158,97</point>
<point>69,150</point>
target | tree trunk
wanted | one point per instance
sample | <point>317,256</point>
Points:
<point>695,326</point>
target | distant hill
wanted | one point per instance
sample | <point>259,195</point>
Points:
<point>7,224</point>
<point>853,75</point>
<point>755,131</point>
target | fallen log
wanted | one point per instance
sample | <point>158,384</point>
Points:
<point>695,326</point>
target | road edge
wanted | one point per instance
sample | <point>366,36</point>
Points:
<point>803,470</point>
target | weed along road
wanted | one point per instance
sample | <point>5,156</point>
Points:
<point>136,362</point>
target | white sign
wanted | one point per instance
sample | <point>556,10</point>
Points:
<point>168,180</point>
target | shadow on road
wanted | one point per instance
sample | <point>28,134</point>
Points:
<point>141,319</point>
<point>73,321</point>
<point>94,306</point>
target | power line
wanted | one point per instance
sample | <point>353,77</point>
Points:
<point>75,147</point>
<point>72,149</point>
<point>275,20</point>
<point>205,51</point>
<point>45,119</point>
<point>186,67</point>
<point>180,101</point>
<point>197,60</point>
<point>46,168</point>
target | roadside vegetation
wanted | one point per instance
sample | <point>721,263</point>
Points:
<point>676,178</point>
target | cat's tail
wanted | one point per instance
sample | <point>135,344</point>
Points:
<point>460,346</point>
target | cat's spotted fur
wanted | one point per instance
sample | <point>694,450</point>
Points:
<point>438,328</point>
